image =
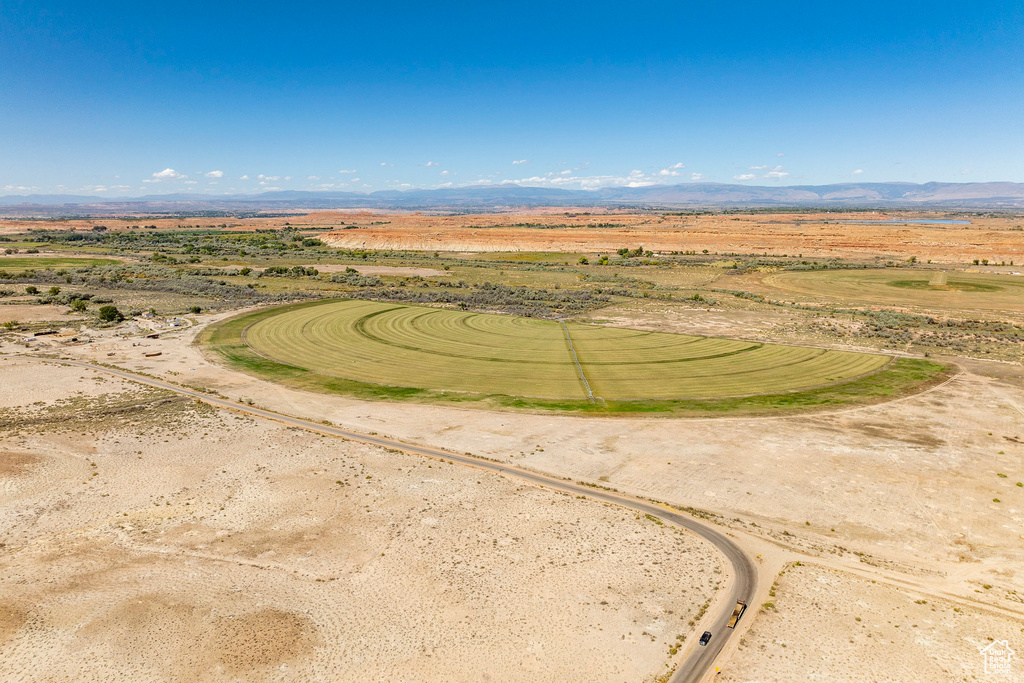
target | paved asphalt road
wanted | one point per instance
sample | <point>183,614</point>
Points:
<point>700,660</point>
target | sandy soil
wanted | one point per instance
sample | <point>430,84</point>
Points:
<point>33,313</point>
<point>996,238</point>
<point>829,625</point>
<point>807,235</point>
<point>145,537</point>
<point>49,383</point>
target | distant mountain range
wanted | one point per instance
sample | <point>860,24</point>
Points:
<point>1001,195</point>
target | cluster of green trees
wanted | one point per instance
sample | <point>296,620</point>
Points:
<point>193,243</point>
<point>294,271</point>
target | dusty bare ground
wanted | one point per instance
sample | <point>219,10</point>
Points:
<point>146,537</point>
<point>996,239</point>
<point>828,625</point>
<point>34,313</point>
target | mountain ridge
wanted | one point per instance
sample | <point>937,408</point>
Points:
<point>1005,195</point>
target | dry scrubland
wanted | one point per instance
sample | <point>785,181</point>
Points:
<point>811,235</point>
<point>146,537</point>
<point>814,235</point>
<point>827,625</point>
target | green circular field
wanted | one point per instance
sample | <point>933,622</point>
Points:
<point>400,351</point>
<point>924,289</point>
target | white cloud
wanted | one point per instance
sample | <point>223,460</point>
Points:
<point>287,177</point>
<point>431,163</point>
<point>780,154</point>
<point>447,173</point>
<point>348,171</point>
<point>93,188</point>
<point>770,173</point>
<point>858,171</point>
<point>245,177</point>
<point>268,177</point>
<point>520,162</point>
<point>312,177</point>
<point>671,171</point>
<point>635,178</point>
<point>215,174</point>
<point>696,176</point>
<point>166,174</point>
<point>384,163</point>
<point>191,182</point>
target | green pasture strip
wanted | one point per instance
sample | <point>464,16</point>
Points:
<point>848,378</point>
<point>43,262</point>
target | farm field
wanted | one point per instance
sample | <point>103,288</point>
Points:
<point>931,290</point>
<point>399,351</point>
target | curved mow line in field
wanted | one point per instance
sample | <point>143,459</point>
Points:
<point>316,341</point>
<point>361,328</point>
<point>688,359</point>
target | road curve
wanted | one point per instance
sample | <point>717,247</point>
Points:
<point>693,669</point>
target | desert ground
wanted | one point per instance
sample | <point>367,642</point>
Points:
<point>819,616</point>
<point>907,514</point>
<point>996,237</point>
<point>149,538</point>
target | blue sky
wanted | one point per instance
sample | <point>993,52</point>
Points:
<point>145,98</point>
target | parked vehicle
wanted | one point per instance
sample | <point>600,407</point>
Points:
<point>705,638</point>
